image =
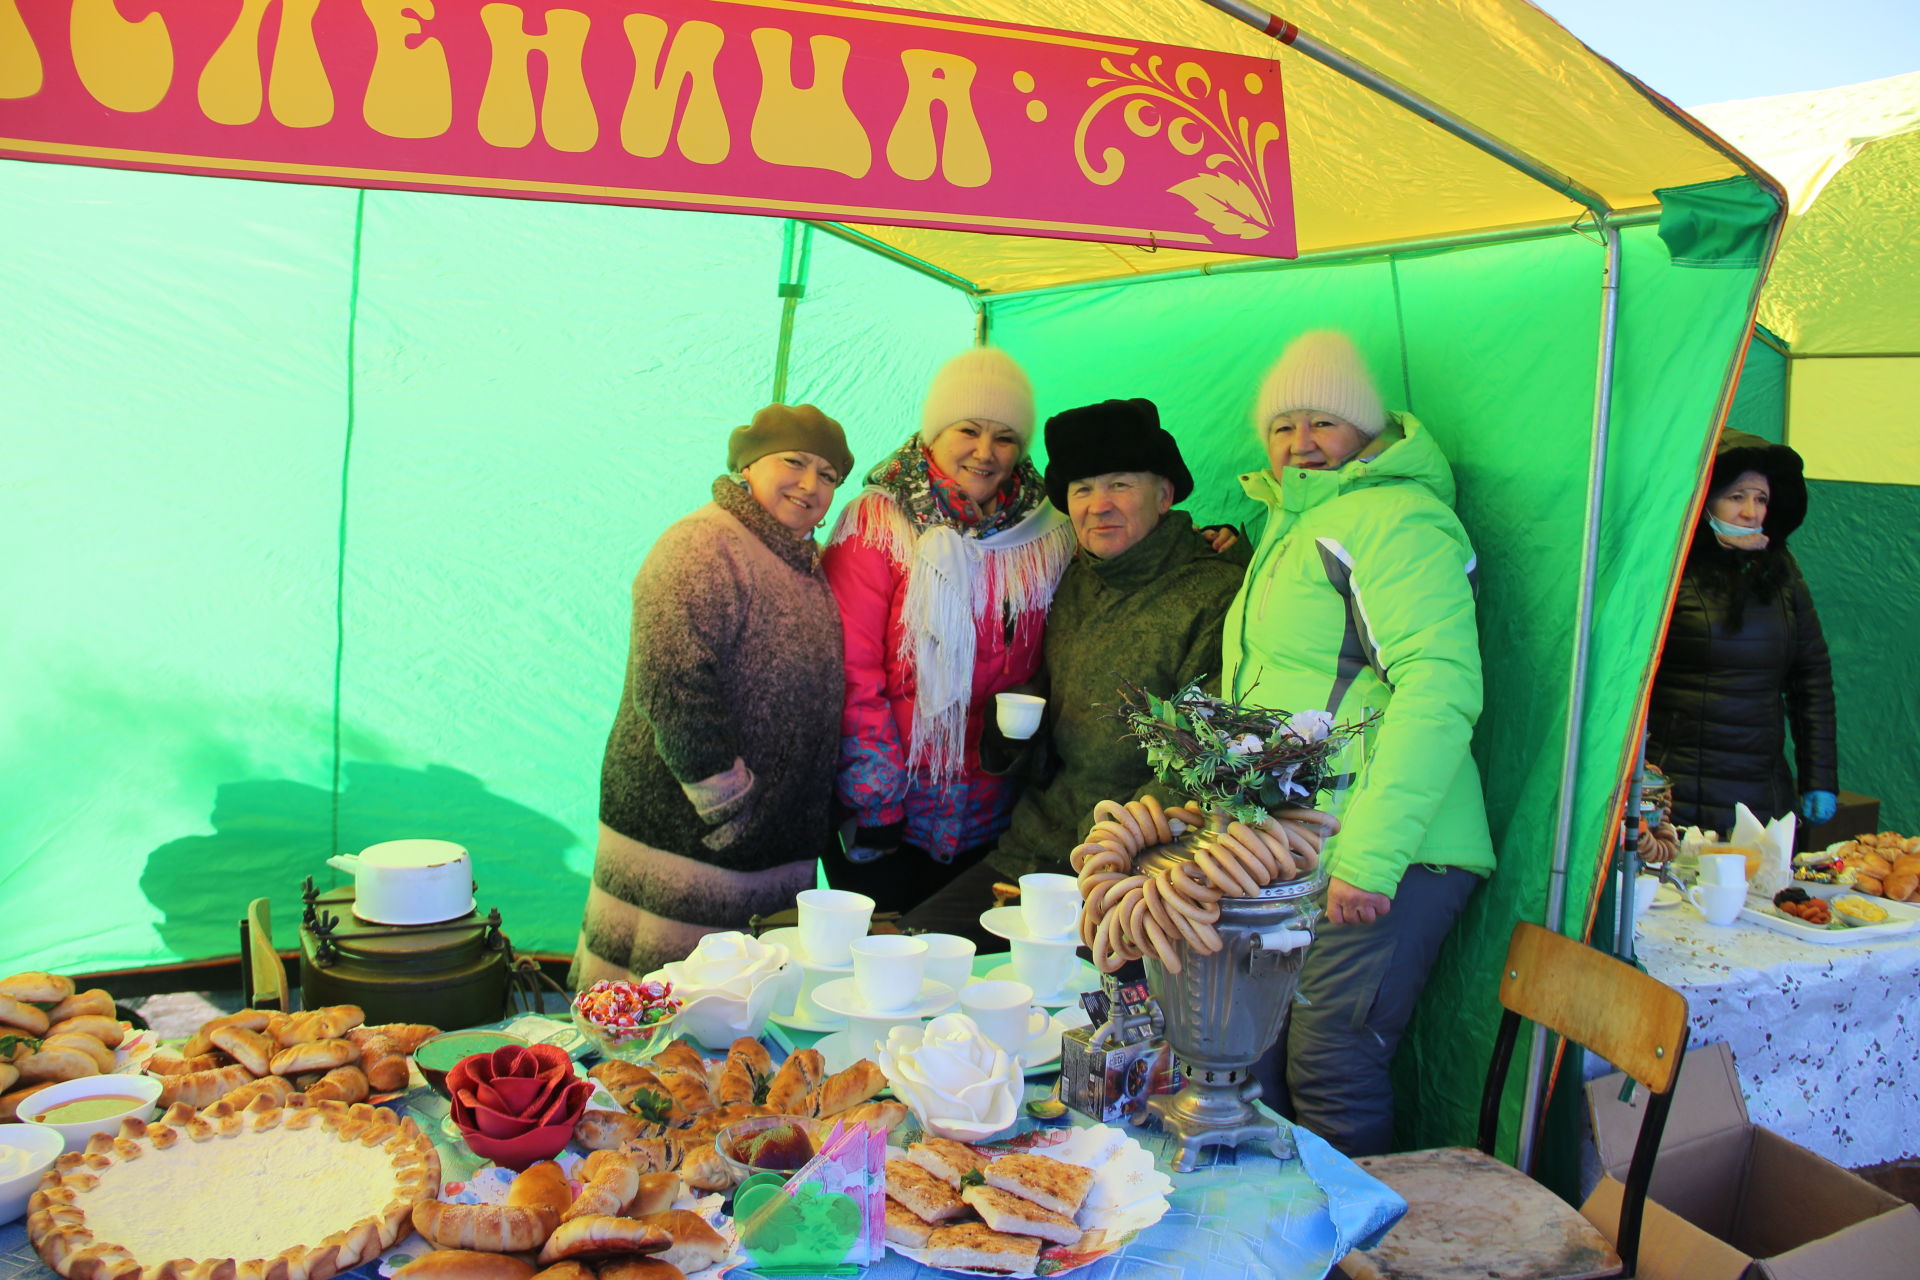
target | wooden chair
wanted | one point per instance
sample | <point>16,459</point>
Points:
<point>1469,1215</point>
<point>263,979</point>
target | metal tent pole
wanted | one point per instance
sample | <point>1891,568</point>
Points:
<point>1288,34</point>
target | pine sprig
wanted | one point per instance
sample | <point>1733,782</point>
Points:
<point>1231,758</point>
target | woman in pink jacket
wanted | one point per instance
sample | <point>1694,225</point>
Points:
<point>943,567</point>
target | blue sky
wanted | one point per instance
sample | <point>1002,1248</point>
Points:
<point>1700,51</point>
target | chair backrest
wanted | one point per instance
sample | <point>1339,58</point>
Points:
<point>1633,1020</point>
<point>263,979</point>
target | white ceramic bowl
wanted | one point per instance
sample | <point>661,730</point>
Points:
<point>41,1146</point>
<point>146,1089</point>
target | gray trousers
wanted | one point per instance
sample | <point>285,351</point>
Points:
<point>1329,1070</point>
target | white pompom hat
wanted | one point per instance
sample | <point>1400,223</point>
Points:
<point>1321,370</point>
<point>980,382</point>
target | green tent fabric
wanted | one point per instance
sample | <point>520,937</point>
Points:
<point>323,505</point>
<point>1838,383</point>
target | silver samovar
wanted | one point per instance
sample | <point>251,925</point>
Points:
<point>1225,1010</point>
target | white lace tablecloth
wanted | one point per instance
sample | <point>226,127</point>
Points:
<point>1824,1037</point>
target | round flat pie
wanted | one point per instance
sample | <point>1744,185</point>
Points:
<point>270,1193</point>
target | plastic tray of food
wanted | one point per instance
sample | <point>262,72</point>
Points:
<point>1903,919</point>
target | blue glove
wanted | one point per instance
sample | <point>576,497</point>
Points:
<point>1818,807</point>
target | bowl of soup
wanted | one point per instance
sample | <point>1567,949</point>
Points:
<point>437,1054</point>
<point>26,1152</point>
<point>78,1109</point>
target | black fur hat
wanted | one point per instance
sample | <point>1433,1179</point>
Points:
<point>1114,435</point>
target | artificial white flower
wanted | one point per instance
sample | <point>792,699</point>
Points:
<point>1310,726</point>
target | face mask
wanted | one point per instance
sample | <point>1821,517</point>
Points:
<point>1726,530</point>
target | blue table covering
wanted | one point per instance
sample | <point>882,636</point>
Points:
<point>1242,1215</point>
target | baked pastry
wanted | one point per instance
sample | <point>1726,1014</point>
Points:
<point>8,1074</point>
<point>696,1245</point>
<point>972,1244</point>
<point>607,1130</point>
<point>946,1159</point>
<point>703,1170</point>
<point>406,1036</point>
<point>50,1064</point>
<point>736,1083</point>
<point>611,1183</point>
<point>798,1076</point>
<point>603,1236</point>
<point>203,1088</point>
<point>1005,1211</point>
<point>342,1084</point>
<point>93,1000</point>
<point>635,1269</point>
<point>17,1015</point>
<point>383,1062</point>
<point>313,1055</point>
<point>754,1054</point>
<point>491,1228</point>
<point>272,1087</point>
<point>295,1192</point>
<point>905,1227</point>
<point>681,1056</point>
<point>108,1031</point>
<point>201,1041</point>
<point>885,1116</point>
<point>37,988</point>
<point>657,1193</point>
<point>97,1053</point>
<point>566,1271</point>
<point>688,1089</point>
<point>172,1064</point>
<point>465,1264</point>
<point>251,1049</point>
<point>847,1088</point>
<point>1052,1184</point>
<point>923,1193</point>
<point>10,1103</point>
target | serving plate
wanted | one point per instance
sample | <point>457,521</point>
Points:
<point>1903,919</point>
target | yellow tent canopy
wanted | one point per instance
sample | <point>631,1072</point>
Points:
<point>1841,294</point>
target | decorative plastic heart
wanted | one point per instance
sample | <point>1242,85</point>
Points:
<point>810,1228</point>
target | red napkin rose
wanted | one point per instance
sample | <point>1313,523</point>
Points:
<point>518,1104</point>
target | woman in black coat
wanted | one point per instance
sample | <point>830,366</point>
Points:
<point>1744,655</point>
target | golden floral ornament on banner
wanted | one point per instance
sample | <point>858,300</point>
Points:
<point>1193,117</point>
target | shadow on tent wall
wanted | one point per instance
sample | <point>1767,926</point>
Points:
<point>271,833</point>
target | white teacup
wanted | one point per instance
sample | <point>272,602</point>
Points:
<point>1719,903</point>
<point>830,920</point>
<point>1005,1013</point>
<point>949,958</point>
<point>1049,904</point>
<point>1044,966</point>
<point>1644,889</point>
<point>1018,714</point>
<point>888,969</point>
<point>1723,868</point>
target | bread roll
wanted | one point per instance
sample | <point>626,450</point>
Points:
<point>466,1264</point>
<point>94,1000</point>
<point>543,1186</point>
<point>798,1076</point>
<point>172,1064</point>
<point>17,1015</point>
<point>342,1084</point>
<point>107,1031</point>
<point>8,1074</point>
<point>406,1035</point>
<point>566,1271</point>
<point>704,1170</point>
<point>495,1228</point>
<point>696,1245</point>
<point>101,1055</point>
<point>1900,885</point>
<point>736,1083</point>
<point>251,1049</point>
<point>885,1116</point>
<point>52,1065</point>
<point>847,1088</point>
<point>384,1062</point>
<point>316,1055</point>
<point>1876,865</point>
<point>601,1236</point>
<point>10,1103</point>
<point>605,1130</point>
<point>265,1087</point>
<point>754,1054</point>
<point>37,988</point>
<point>688,1089</point>
<point>657,1193</point>
<point>639,1269</point>
<point>1870,884</point>
<point>202,1040</point>
<point>201,1088</point>
<point>681,1056</point>
<point>1904,863</point>
<point>330,1023</point>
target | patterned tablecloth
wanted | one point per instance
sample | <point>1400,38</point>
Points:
<point>1239,1216</point>
<point>1821,1036</point>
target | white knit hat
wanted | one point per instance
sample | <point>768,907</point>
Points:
<point>1321,370</point>
<point>980,382</point>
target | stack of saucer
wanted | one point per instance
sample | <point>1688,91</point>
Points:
<point>891,985</point>
<point>1043,932</point>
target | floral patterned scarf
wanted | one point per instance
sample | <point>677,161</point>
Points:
<point>931,497</point>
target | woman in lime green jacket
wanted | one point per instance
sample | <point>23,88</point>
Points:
<point>1360,602</point>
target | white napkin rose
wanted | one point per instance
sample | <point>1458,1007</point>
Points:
<point>958,1083</point>
<point>729,985</point>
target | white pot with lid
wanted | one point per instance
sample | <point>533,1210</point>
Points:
<point>409,881</point>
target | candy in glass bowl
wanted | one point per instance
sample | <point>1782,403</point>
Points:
<point>631,1021</point>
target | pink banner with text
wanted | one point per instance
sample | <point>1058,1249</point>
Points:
<point>803,109</point>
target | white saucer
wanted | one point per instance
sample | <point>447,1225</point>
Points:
<point>1667,896</point>
<point>1009,923</point>
<point>842,997</point>
<point>1086,978</point>
<point>793,1023</point>
<point>1038,1056</point>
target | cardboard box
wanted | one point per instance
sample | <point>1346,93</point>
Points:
<point>1733,1201</point>
<point>1109,1083</point>
<point>1857,815</point>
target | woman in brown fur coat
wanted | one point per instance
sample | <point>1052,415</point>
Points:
<point>718,774</point>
